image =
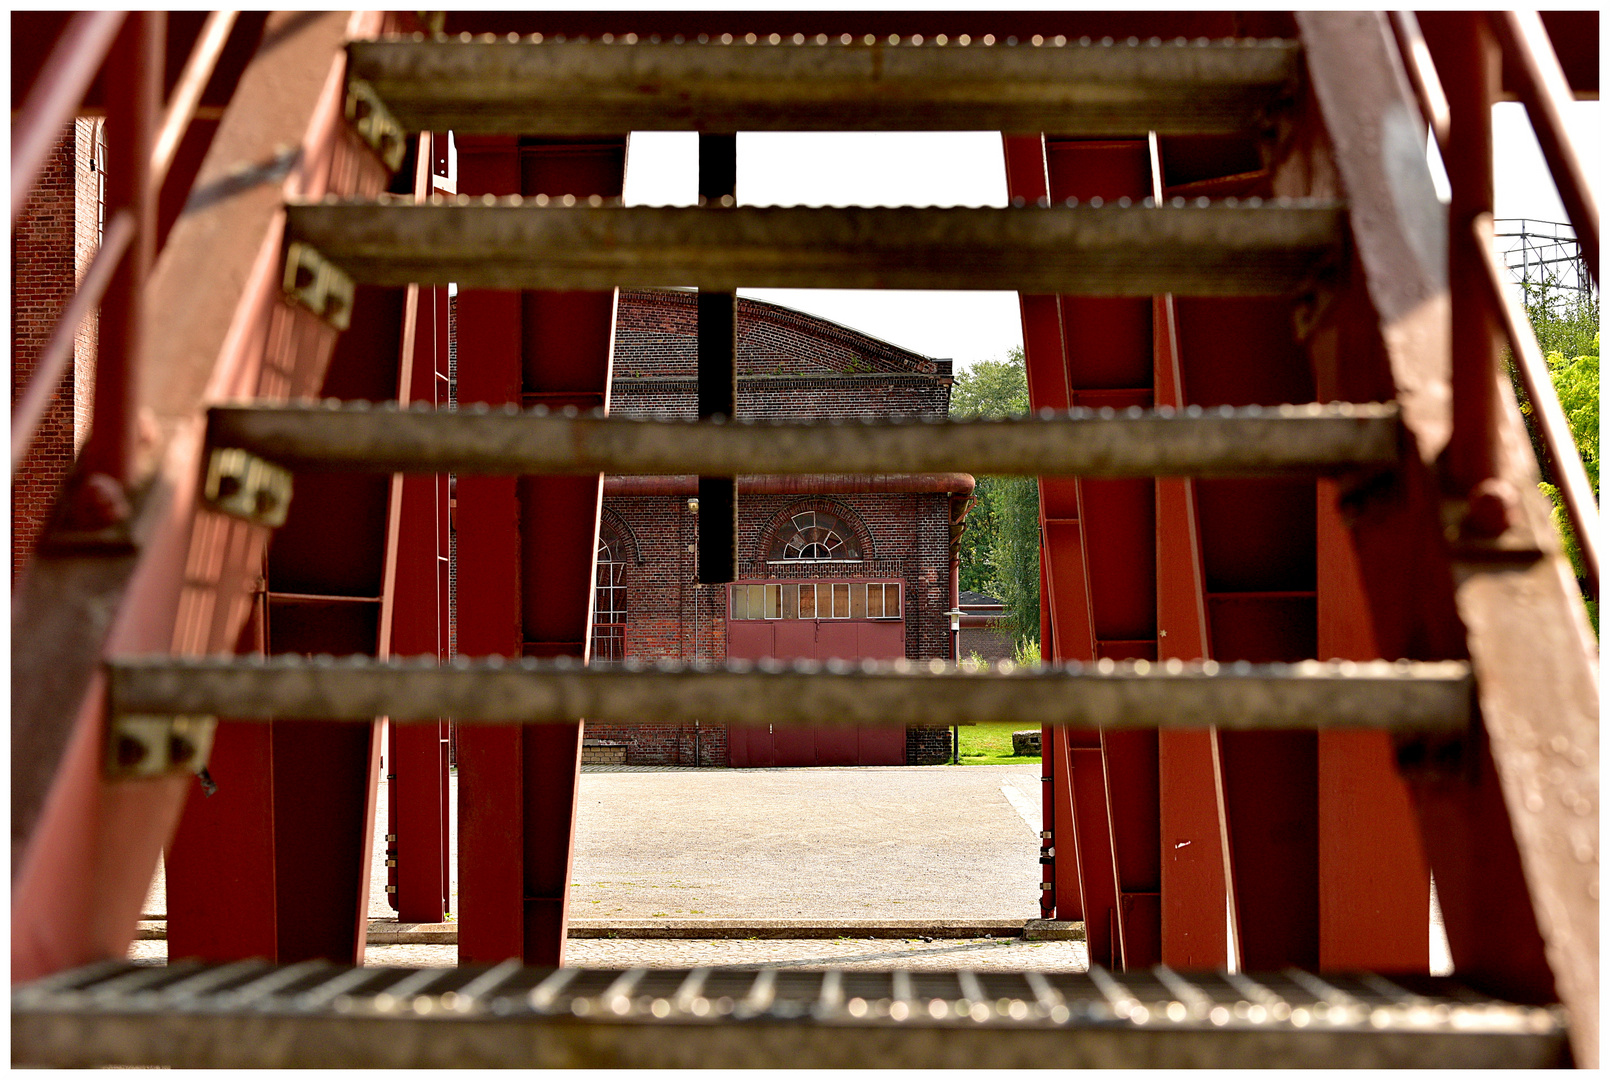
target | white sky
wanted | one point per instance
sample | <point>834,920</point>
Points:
<point>966,169</point>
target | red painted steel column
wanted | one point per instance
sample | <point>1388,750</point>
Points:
<point>526,552</point>
<point>1061,895</point>
<point>1082,834</point>
<point>291,824</point>
<point>1471,63</point>
<point>1107,351</point>
<point>417,793</point>
<point>1374,881</point>
<point>569,339</point>
<point>487,518</point>
<point>1258,554</point>
<point>1192,878</point>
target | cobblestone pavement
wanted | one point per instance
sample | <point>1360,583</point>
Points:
<point>1000,954</point>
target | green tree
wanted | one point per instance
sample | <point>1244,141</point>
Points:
<point>1000,549</point>
<point>1568,334</point>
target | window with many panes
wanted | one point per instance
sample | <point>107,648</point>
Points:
<point>609,606</point>
<point>815,600</point>
<point>815,536</point>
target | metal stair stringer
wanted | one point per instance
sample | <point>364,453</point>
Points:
<point>1518,610</point>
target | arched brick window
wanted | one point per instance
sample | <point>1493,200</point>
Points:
<point>816,536</point>
<point>609,604</point>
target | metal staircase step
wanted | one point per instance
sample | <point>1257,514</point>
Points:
<point>1379,695</point>
<point>556,87</point>
<point>1246,247</point>
<point>1082,442</point>
<point>320,1015</point>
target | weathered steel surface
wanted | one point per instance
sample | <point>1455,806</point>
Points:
<point>1193,891</point>
<point>580,87</point>
<point>1380,696</point>
<point>526,551</point>
<point>543,243</point>
<point>84,850</point>
<point>323,1016</point>
<point>1513,841</point>
<point>1082,442</point>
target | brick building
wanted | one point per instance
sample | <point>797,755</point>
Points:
<point>829,567</point>
<point>837,567</point>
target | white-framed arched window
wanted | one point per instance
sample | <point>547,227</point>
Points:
<point>816,536</point>
<point>609,605</point>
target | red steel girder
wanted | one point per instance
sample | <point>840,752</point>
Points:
<point>418,813</point>
<point>1193,916</point>
<point>417,792</point>
<point>85,847</point>
<point>302,791</point>
<point>1107,353</point>
<point>1419,604</point>
<point>526,550</point>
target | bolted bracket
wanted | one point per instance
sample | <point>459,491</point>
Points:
<point>374,123</point>
<point>245,486</point>
<point>318,285</point>
<point>140,747</point>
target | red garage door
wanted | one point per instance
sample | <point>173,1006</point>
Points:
<point>815,620</point>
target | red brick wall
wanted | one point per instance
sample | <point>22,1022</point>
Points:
<point>42,275</point>
<point>795,366</point>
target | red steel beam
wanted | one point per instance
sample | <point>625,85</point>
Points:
<point>1471,64</point>
<point>1107,357</point>
<point>418,789</point>
<point>1193,923</point>
<point>291,823</point>
<point>1079,779</point>
<point>417,795</point>
<point>84,848</point>
<point>526,551</point>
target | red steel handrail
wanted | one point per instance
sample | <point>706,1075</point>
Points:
<point>187,93</point>
<point>1423,76</point>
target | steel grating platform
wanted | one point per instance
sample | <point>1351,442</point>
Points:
<point>317,1014</point>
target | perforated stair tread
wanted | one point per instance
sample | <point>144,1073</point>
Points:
<point>626,83</point>
<point>1431,698</point>
<point>322,1015</point>
<point>1233,248</point>
<point>1086,442</point>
